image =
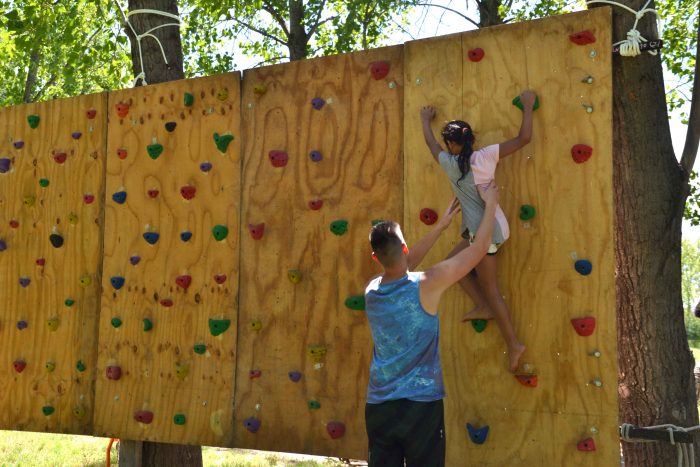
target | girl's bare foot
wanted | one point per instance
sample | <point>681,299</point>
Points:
<point>514,353</point>
<point>479,312</point>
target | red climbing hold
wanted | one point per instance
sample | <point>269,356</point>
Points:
<point>153,193</point>
<point>256,230</point>
<point>584,326</point>
<point>88,198</point>
<point>582,38</point>
<point>379,70</point>
<point>121,153</point>
<point>220,278</point>
<point>113,372</point>
<point>335,429</point>
<point>14,223</point>
<point>428,216</point>
<point>188,192</point>
<point>315,204</point>
<point>143,416</point>
<point>278,158</point>
<point>475,55</point>
<point>166,302</point>
<point>91,113</point>
<point>19,365</point>
<point>527,380</point>
<point>252,374</point>
<point>122,109</point>
<point>41,262</point>
<point>586,445</point>
<point>183,281</point>
<point>581,153</point>
<point>60,157</point>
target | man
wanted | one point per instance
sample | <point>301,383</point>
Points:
<point>404,414</point>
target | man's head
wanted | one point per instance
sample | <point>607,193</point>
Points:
<point>388,244</point>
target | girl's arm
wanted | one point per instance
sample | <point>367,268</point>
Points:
<point>427,113</point>
<point>509,147</point>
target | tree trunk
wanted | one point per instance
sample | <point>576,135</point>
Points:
<point>32,71</point>
<point>655,363</point>
<point>488,13</point>
<point>298,38</point>
<point>155,68</point>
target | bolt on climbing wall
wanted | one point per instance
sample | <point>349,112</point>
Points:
<point>168,313</point>
<point>51,187</point>
<point>322,159</point>
<point>556,270</point>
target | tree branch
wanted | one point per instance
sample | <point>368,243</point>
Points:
<point>312,31</point>
<point>318,18</point>
<point>690,149</point>
<point>276,15</point>
<point>43,89</point>
<point>259,31</point>
<point>453,11</point>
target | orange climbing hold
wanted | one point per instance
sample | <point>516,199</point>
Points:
<point>582,37</point>
<point>527,380</point>
<point>122,109</point>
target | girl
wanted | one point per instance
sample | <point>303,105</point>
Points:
<point>467,168</point>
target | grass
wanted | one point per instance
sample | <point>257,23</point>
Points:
<point>49,449</point>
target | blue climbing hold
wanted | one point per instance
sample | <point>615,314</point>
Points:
<point>3,245</point>
<point>316,156</point>
<point>151,237</point>
<point>477,435</point>
<point>317,103</point>
<point>185,236</point>
<point>5,165</point>
<point>119,197</point>
<point>117,282</point>
<point>583,267</point>
<point>134,260</point>
<point>294,376</point>
<point>205,166</point>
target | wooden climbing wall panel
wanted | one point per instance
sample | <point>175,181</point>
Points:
<point>51,190</point>
<point>302,330</point>
<point>169,304</point>
<point>573,221</point>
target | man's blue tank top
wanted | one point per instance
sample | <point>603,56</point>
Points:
<point>406,357</point>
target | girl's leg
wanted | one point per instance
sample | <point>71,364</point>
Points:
<point>488,283</point>
<point>471,287</point>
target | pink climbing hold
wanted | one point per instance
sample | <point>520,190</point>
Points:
<point>256,230</point>
<point>92,113</point>
<point>88,198</point>
<point>428,216</point>
<point>60,157</point>
<point>183,281</point>
<point>153,193</point>
<point>166,302</point>
<point>253,374</point>
<point>188,192</point>
<point>220,278</point>
<point>278,158</point>
<point>584,326</point>
<point>113,372</point>
<point>143,416</point>
<point>586,445</point>
<point>379,69</point>
<point>14,223</point>
<point>335,429</point>
<point>19,365</point>
<point>315,204</point>
<point>41,262</point>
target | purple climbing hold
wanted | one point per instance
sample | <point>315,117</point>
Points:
<point>316,156</point>
<point>134,260</point>
<point>317,103</point>
<point>76,135</point>
<point>251,424</point>
<point>205,166</point>
<point>24,281</point>
<point>295,376</point>
<point>22,324</point>
<point>5,165</point>
<point>18,144</point>
<point>3,245</point>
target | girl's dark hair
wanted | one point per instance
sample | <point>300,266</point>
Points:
<point>460,132</point>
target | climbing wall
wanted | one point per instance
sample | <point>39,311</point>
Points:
<point>562,407</point>
<point>322,159</point>
<point>51,187</point>
<point>168,315</point>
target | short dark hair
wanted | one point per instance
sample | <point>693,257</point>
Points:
<point>386,242</point>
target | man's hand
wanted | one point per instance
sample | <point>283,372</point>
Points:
<point>527,98</point>
<point>427,113</point>
<point>449,214</point>
<point>489,192</point>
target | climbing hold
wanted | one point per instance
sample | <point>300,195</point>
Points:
<point>222,141</point>
<point>317,103</point>
<point>188,99</point>
<point>583,267</point>
<point>183,281</point>
<point>584,326</point>
<point>475,55</point>
<point>85,281</point>
<point>24,281</point>
<point>43,182</point>
<point>69,302</point>
<point>143,416</point>
<point>588,80</point>
<point>92,113</point>
<point>251,424</point>
<point>166,302</point>
<point>19,144</point>
<point>52,324</point>
<point>80,366</point>
<point>278,158</point>
<point>116,322</point>
<point>582,38</point>
<point>597,382</point>
<point>588,107</point>
<point>88,198</point>
<point>256,230</point>
<point>14,223</point>
<point>29,201</point>
<point>185,236</point>
<point>200,348</point>
<point>255,325</point>
<point>339,227</point>
<point>33,121</point>
<point>315,204</point>
<point>356,302</point>
<point>335,429</point>
<point>60,157</point>
<point>479,324</point>
<point>122,153</point>
<point>219,278</point>
<point>119,197</point>
<point>294,276</point>
<point>113,372</point>
<point>219,232</point>
<point>170,126</point>
<point>78,412</point>
<point>72,218</point>
<point>428,216</point>
<point>181,370</point>
<point>151,237</point>
<point>5,165</point>
<point>22,324</point>
<point>122,109</point>
<point>117,282</point>
<point>50,366</point>
<point>259,89</point>
<point>3,245</point>
<point>134,260</point>
<point>147,324</point>
<point>222,94</point>
<point>379,69</point>
<point>47,410</point>
<point>294,376</point>
<point>188,192</point>
<point>586,445</point>
<point>477,435</point>
<point>76,135</point>
<point>154,150</point>
<point>19,365</point>
<point>179,419</point>
<point>218,326</point>
<point>40,262</point>
<point>527,380</point>
<point>314,405</point>
<point>316,353</point>
<point>153,193</point>
<point>316,156</point>
<point>56,240</point>
<point>253,374</point>
<point>527,212</point>
<point>205,166</point>
<point>518,104</point>
<point>581,153</point>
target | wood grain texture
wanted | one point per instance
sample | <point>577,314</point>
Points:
<point>30,211</point>
<point>160,370</point>
<point>359,134</point>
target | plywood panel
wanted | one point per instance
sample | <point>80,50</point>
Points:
<point>48,320</point>
<point>175,365</point>
<point>359,134</point>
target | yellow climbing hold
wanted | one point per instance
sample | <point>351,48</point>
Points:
<point>222,95</point>
<point>85,281</point>
<point>52,324</point>
<point>181,371</point>
<point>79,412</point>
<point>73,218</point>
<point>255,326</point>
<point>294,276</point>
<point>316,352</point>
<point>50,366</point>
<point>259,89</point>
<point>29,201</point>
<point>215,423</point>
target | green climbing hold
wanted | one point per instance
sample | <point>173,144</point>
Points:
<point>43,182</point>
<point>527,212</point>
<point>377,221</point>
<point>314,405</point>
<point>33,121</point>
<point>356,302</point>
<point>189,99</point>
<point>154,150</point>
<point>200,348</point>
<point>222,141</point>
<point>518,104</point>
<point>69,302</point>
<point>116,322</point>
<point>47,410</point>
<point>220,232</point>
<point>80,366</point>
<point>339,227</point>
<point>147,324</point>
<point>479,324</point>
<point>179,419</point>
<point>218,326</point>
